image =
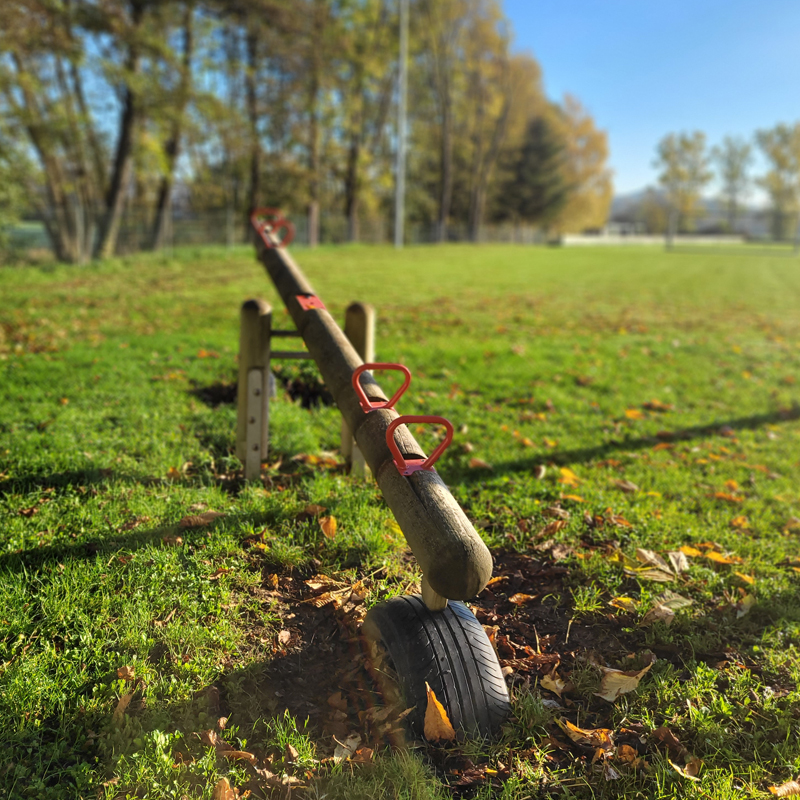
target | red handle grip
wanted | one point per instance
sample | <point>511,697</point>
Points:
<point>366,403</point>
<point>270,221</point>
<point>415,464</point>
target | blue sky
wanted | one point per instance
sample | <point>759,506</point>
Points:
<point>644,68</point>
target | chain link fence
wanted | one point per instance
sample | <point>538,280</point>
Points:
<point>222,227</point>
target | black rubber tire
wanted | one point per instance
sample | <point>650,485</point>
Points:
<point>452,653</point>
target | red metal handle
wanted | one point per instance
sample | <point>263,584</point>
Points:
<point>415,464</point>
<point>270,221</point>
<point>367,404</point>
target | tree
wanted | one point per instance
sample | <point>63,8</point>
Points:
<point>585,170</point>
<point>177,100</point>
<point>781,147</point>
<point>653,211</point>
<point>44,67</point>
<point>445,31</point>
<point>684,164</point>
<point>537,189</point>
<point>366,81</point>
<point>733,159</point>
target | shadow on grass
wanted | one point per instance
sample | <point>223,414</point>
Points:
<point>117,542</point>
<point>318,656</point>
<point>583,455</point>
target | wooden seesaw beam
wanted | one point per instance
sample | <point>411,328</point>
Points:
<point>455,562</point>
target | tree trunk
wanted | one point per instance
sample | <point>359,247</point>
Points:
<point>57,220</point>
<point>446,161</point>
<point>315,44</point>
<point>173,146</point>
<point>485,165</point>
<point>123,158</point>
<point>251,78</point>
<point>351,187</point>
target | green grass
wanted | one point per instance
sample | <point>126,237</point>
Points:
<point>539,357</point>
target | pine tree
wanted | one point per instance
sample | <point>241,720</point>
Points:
<point>537,189</point>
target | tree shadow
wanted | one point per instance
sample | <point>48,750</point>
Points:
<point>316,669</point>
<point>37,558</point>
<point>582,455</point>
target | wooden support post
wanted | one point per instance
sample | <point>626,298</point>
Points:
<point>359,328</point>
<point>252,430</point>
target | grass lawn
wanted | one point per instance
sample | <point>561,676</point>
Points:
<point>149,651</point>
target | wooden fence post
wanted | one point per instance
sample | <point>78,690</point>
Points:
<point>252,430</point>
<point>359,328</point>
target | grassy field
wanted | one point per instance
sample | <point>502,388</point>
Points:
<point>146,651</point>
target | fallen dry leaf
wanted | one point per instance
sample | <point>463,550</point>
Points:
<point>650,574</point>
<point>337,701</point>
<point>479,463</point>
<point>362,756</point>
<point>657,405</point>
<point>284,637</point>
<point>553,683</point>
<point>727,497</point>
<point>673,744</point>
<point>744,605</point>
<point>240,755</point>
<point>626,754</point>
<point>518,599</point>
<point>678,561</point>
<point>718,558</point>
<point>633,413</point>
<point>658,613</point>
<point>652,559</point>
<point>568,477</point>
<point>629,487</point>
<point>210,738</point>
<point>200,520</point>
<point>553,527</point>
<point>172,541</point>
<point>623,603</point>
<point>690,770</point>
<point>122,706</point>
<point>616,682</point>
<point>223,791</point>
<point>688,550</point>
<point>437,725</point>
<point>328,526</point>
<point>291,753</point>
<point>788,789</point>
<point>749,579</point>
<point>126,673</point>
<point>345,749</point>
<point>673,600</point>
<point>218,573</point>
<point>592,737</point>
<point>740,522</point>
